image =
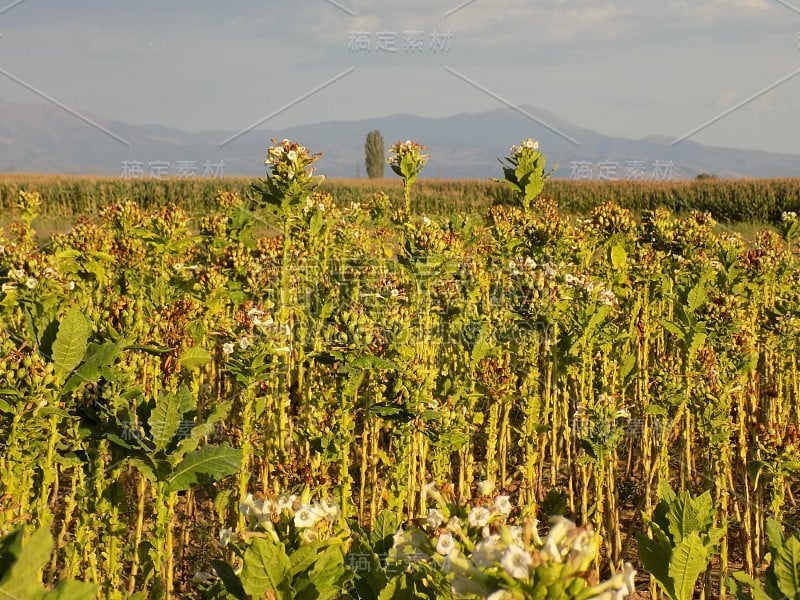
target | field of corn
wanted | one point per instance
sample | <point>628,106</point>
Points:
<point>728,201</point>
<point>382,401</point>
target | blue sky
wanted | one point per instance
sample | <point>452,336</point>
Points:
<point>623,68</point>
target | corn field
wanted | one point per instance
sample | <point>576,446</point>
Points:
<point>165,377</point>
<point>728,201</point>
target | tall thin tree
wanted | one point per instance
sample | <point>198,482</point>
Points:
<point>375,154</point>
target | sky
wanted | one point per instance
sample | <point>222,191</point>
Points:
<point>629,69</point>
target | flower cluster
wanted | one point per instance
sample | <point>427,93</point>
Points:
<point>290,177</point>
<point>289,158</point>
<point>528,144</point>
<point>408,149</point>
<point>312,521</point>
<point>484,553</point>
<point>584,283</point>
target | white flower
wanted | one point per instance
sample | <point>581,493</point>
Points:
<point>445,544</point>
<point>478,516</point>
<point>285,503</point>
<point>71,285</point>
<point>330,509</point>
<point>789,216</point>
<point>227,348</point>
<point>306,516</point>
<point>31,283</point>
<point>225,536</point>
<point>178,266</point>
<point>516,562</point>
<point>291,155</point>
<point>394,293</point>
<point>516,534</point>
<point>435,518</point>
<point>500,595</point>
<point>607,297</point>
<point>19,274</point>
<point>248,506</point>
<point>502,505</point>
<point>7,287</point>
<point>2,249</point>
<point>454,524</point>
<point>485,487</point>
<point>561,528</point>
<point>426,221</point>
<point>487,552</point>
<point>244,342</point>
<point>530,263</point>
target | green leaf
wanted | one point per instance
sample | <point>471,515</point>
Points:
<point>774,533</point>
<point>71,341</point>
<point>619,257</point>
<point>73,590</point>
<point>655,559</point>
<point>382,533</point>
<point>211,463</point>
<point>166,417</point>
<point>787,568</point>
<point>266,568</point>
<point>22,579</point>
<point>687,514</point>
<point>200,431</point>
<point>194,358</point>
<point>696,297</point>
<point>673,328</point>
<point>229,579</point>
<point>754,585</point>
<point>689,560</point>
<point>10,548</point>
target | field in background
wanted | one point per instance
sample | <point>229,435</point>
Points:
<point>729,201</point>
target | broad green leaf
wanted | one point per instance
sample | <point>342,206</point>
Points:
<point>166,417</point>
<point>266,568</point>
<point>655,559</point>
<point>73,590</point>
<point>619,257</point>
<point>22,579</point>
<point>687,514</point>
<point>201,430</point>
<point>689,559</point>
<point>382,533</point>
<point>305,556</point>
<point>71,341</point>
<point>10,548</point>
<point>753,584</point>
<point>211,463</point>
<point>774,533</point>
<point>194,358</point>
<point>787,568</point>
<point>696,296</point>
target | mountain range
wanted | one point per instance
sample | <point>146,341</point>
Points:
<point>49,139</point>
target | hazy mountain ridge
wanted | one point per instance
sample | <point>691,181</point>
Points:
<point>44,138</point>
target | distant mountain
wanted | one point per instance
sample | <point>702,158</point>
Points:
<point>44,138</point>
